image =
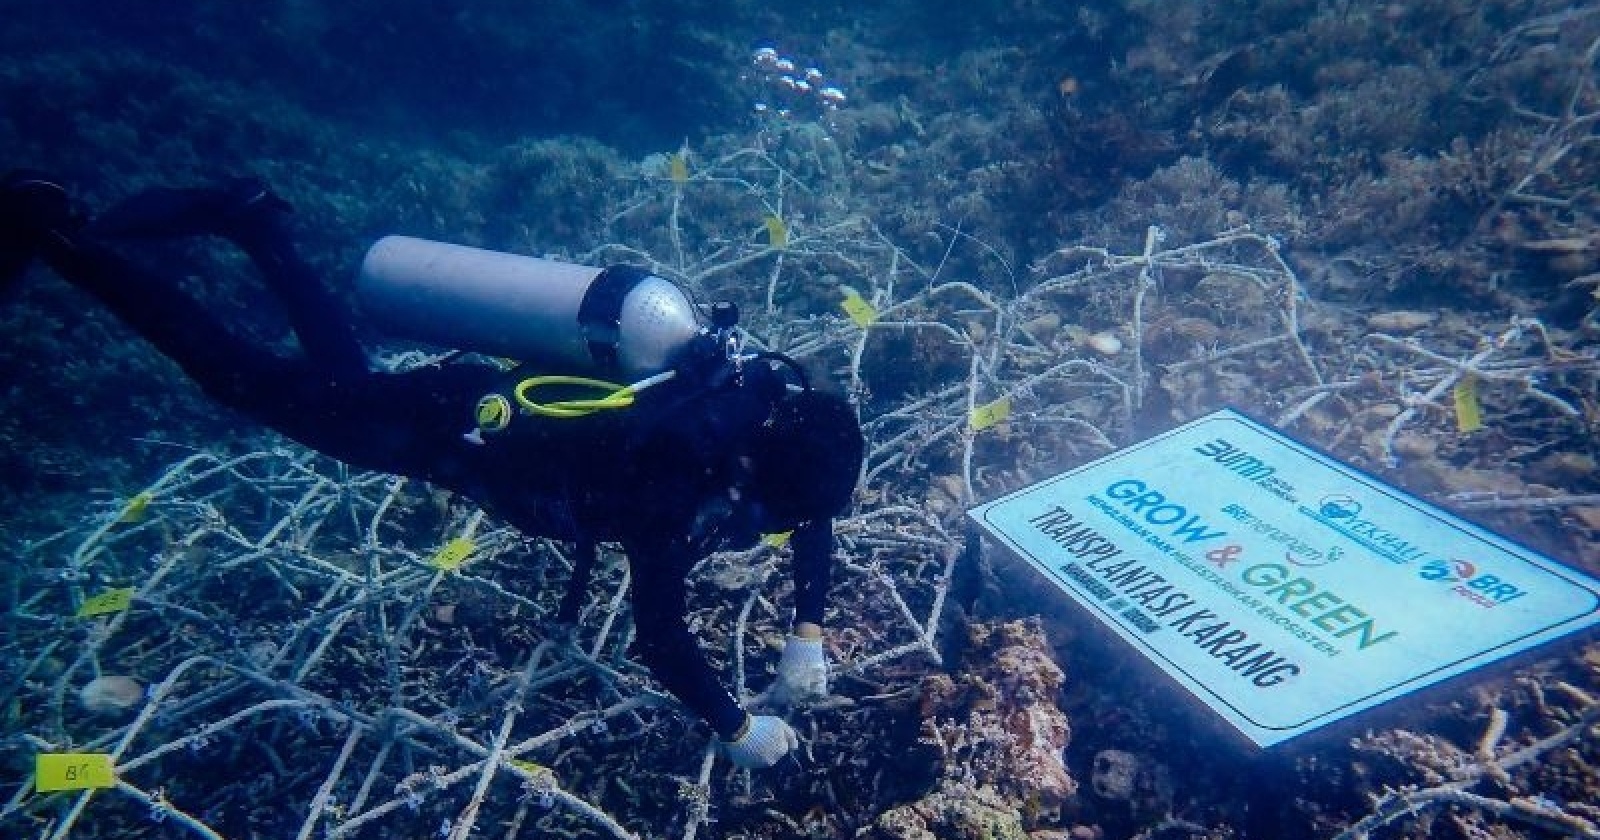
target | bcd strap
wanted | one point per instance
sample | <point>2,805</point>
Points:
<point>600,312</point>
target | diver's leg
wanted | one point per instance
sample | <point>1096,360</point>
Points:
<point>37,221</point>
<point>246,212</point>
<point>229,369</point>
<point>409,423</point>
<point>319,318</point>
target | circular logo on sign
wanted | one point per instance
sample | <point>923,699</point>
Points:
<point>1339,507</point>
<point>494,413</point>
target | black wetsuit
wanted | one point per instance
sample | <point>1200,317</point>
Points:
<point>660,478</point>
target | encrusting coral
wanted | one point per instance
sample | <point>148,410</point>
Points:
<point>1000,737</point>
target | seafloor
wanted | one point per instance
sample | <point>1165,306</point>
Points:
<point>1119,215</point>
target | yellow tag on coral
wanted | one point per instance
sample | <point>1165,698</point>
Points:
<point>678,167</point>
<point>777,232</point>
<point>137,508</point>
<point>990,414</point>
<point>858,309</point>
<point>72,771</point>
<point>532,767</point>
<point>109,601</point>
<point>452,554</point>
<point>777,540</point>
<point>1469,412</point>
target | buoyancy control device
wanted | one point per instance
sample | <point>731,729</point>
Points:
<point>614,322</point>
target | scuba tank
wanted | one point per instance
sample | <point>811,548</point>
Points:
<point>575,319</point>
<point>566,324</point>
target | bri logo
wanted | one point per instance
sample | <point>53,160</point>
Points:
<point>1449,571</point>
<point>1487,591</point>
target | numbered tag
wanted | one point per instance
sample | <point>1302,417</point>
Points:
<point>452,554</point>
<point>137,509</point>
<point>1469,412</point>
<point>73,771</point>
<point>990,414</point>
<point>858,309</point>
<point>109,601</point>
<point>777,232</point>
<point>777,540</point>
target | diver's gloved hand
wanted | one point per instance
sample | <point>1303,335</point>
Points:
<point>762,742</point>
<point>802,673</point>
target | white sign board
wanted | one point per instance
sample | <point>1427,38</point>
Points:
<point>1284,589</point>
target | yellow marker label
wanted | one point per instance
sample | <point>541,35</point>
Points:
<point>777,540</point>
<point>72,771</point>
<point>990,414</point>
<point>532,767</point>
<point>452,554</point>
<point>137,509</point>
<point>109,601</point>
<point>777,232</point>
<point>1469,412</point>
<point>678,167</point>
<point>858,309</point>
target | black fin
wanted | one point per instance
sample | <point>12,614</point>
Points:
<point>32,205</point>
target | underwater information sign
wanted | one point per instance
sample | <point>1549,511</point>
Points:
<point>1284,589</point>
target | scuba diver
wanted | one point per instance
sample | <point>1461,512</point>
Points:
<point>709,449</point>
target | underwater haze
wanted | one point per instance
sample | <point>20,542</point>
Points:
<point>1019,235</point>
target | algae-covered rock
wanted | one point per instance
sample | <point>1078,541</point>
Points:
<point>956,811</point>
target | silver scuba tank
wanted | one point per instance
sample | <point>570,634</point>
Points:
<point>574,319</point>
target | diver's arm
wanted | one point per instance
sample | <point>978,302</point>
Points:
<point>813,566</point>
<point>803,669</point>
<point>660,596</point>
<point>583,558</point>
